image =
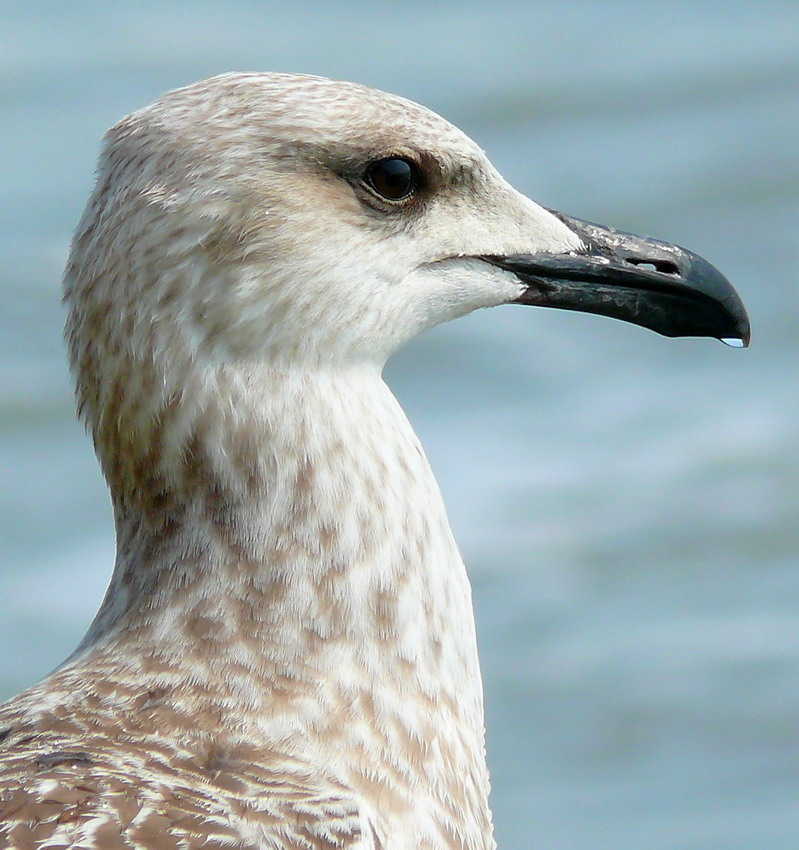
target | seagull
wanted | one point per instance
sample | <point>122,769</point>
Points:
<point>285,657</point>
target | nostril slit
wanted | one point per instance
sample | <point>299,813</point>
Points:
<point>663,266</point>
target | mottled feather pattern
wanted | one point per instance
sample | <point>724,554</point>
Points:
<point>286,657</point>
<point>150,776</point>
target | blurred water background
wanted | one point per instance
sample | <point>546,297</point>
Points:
<point>627,504</point>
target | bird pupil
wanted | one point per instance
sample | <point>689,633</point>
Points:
<point>394,179</point>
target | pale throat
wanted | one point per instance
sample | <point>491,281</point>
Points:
<point>292,512</point>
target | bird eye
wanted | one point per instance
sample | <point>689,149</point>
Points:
<point>393,179</point>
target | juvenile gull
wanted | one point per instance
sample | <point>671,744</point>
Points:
<point>285,657</point>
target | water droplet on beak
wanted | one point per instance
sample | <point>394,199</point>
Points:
<point>733,342</point>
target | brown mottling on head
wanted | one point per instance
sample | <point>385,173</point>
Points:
<point>279,577</point>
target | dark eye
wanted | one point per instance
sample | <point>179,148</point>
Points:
<point>394,179</point>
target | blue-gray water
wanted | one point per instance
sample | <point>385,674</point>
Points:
<point>627,504</point>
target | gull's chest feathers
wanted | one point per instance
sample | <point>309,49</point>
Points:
<point>286,657</point>
<point>300,620</point>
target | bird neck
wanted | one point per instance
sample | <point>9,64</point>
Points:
<point>281,536</point>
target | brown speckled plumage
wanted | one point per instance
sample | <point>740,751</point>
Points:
<point>286,656</point>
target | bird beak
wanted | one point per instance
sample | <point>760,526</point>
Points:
<point>636,279</point>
